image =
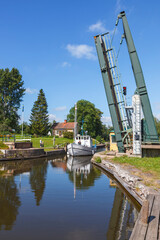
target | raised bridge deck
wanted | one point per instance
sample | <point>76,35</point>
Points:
<point>147,226</point>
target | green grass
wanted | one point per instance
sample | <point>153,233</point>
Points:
<point>98,160</point>
<point>3,146</point>
<point>48,142</point>
<point>145,164</point>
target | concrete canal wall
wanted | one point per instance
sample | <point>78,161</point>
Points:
<point>147,225</point>
<point>30,153</point>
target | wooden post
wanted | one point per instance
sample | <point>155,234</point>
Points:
<point>144,211</point>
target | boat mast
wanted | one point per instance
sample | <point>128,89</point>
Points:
<point>75,122</point>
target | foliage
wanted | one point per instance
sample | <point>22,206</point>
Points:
<point>39,116</point>
<point>11,93</point>
<point>157,123</point>
<point>68,135</point>
<point>105,132</point>
<point>98,160</point>
<point>3,146</point>
<point>92,117</point>
<point>26,128</point>
<point>100,139</point>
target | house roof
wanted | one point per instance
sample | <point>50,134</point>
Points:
<point>64,125</point>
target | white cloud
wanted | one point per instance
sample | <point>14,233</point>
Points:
<point>97,27</point>
<point>107,121</point>
<point>52,117</point>
<point>62,108</point>
<point>66,64</point>
<point>31,91</point>
<point>81,51</point>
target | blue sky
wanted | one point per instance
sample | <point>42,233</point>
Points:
<point>52,45</point>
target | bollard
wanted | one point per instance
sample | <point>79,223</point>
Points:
<point>145,211</point>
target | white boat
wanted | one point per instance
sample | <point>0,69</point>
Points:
<point>82,146</point>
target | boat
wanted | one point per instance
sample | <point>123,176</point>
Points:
<point>82,146</point>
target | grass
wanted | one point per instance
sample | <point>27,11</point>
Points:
<point>98,160</point>
<point>3,146</point>
<point>151,165</point>
<point>48,142</point>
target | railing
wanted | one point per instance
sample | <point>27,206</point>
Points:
<point>15,138</point>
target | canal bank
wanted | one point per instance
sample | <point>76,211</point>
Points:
<point>132,178</point>
<point>147,225</point>
<point>29,153</point>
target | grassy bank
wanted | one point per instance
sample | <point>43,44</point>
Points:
<point>48,142</point>
<point>3,146</point>
<point>145,164</point>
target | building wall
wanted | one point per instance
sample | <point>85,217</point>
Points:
<point>113,143</point>
<point>60,132</point>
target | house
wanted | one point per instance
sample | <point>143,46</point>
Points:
<point>113,143</point>
<point>60,128</point>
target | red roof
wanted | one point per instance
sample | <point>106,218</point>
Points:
<point>64,125</point>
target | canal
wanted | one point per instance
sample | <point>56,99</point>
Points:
<point>62,199</point>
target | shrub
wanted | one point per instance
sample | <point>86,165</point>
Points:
<point>3,146</point>
<point>98,160</point>
<point>68,135</point>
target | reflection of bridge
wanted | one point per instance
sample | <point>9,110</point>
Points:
<point>122,218</point>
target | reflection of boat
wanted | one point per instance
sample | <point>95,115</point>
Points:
<point>81,147</point>
<point>79,164</point>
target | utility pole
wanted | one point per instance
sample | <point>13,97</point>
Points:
<point>22,117</point>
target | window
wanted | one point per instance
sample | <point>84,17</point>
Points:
<point>113,138</point>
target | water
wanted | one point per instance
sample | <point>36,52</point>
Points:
<point>62,200</point>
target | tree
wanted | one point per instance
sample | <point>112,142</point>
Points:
<point>92,117</point>
<point>39,122</point>
<point>26,128</point>
<point>157,123</point>
<point>11,93</point>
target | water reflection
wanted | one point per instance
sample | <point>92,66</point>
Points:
<point>9,202</point>
<point>123,215</point>
<point>80,172</point>
<point>37,179</point>
<point>122,218</point>
<point>103,213</point>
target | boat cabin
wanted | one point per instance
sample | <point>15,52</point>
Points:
<point>84,140</point>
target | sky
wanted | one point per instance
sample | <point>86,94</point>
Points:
<point>52,44</point>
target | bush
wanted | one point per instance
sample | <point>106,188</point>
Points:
<point>68,135</point>
<point>100,139</point>
<point>3,146</point>
<point>98,160</point>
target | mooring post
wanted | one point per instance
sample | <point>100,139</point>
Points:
<point>145,211</point>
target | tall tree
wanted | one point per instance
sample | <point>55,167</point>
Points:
<point>92,117</point>
<point>157,123</point>
<point>39,118</point>
<point>11,93</point>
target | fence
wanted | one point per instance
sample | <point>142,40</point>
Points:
<point>15,138</point>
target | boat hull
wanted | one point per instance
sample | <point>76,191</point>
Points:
<point>79,150</point>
